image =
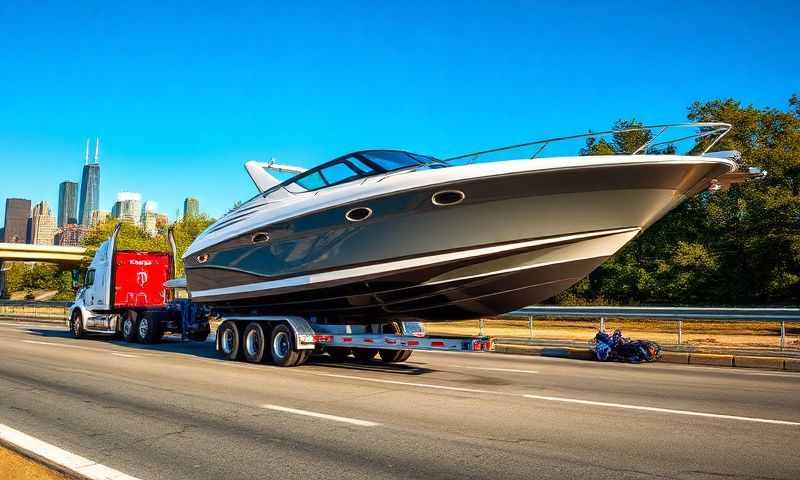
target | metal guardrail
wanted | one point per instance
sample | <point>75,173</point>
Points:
<point>677,314</point>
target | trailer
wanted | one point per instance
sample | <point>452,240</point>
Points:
<point>131,295</point>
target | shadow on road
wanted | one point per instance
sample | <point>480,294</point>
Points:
<point>173,344</point>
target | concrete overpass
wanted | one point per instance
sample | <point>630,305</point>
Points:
<point>22,252</point>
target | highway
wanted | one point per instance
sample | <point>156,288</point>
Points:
<point>176,411</point>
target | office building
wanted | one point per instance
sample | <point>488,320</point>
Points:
<point>71,235</point>
<point>127,208</point>
<point>43,224</point>
<point>99,216</point>
<point>90,185</point>
<point>17,221</point>
<point>191,207</point>
<point>67,203</point>
<point>149,218</point>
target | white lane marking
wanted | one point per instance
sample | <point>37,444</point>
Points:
<point>491,369</point>
<point>126,355</point>
<point>421,385</point>
<point>75,463</point>
<point>335,418</point>
<point>37,342</point>
<point>660,410</point>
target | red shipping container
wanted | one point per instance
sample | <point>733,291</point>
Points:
<point>139,278</point>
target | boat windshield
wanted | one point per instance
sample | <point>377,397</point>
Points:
<point>354,166</point>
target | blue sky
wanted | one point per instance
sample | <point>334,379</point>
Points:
<point>183,94</point>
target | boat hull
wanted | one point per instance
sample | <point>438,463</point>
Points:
<point>514,240</point>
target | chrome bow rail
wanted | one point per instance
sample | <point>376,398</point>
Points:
<point>713,130</point>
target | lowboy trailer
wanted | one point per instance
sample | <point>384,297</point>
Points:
<point>128,294</point>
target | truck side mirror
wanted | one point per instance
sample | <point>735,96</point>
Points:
<point>75,282</point>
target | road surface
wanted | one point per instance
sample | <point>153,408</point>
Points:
<point>176,411</point>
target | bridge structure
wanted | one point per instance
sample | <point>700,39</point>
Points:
<point>23,252</point>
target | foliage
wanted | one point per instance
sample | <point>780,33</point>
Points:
<point>736,247</point>
<point>37,276</point>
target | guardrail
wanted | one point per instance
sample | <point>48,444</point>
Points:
<point>678,314</point>
<point>41,309</point>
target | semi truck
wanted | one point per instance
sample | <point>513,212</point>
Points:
<point>131,295</point>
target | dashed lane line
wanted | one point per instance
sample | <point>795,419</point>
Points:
<point>324,416</point>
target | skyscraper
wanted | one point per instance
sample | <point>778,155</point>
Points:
<point>150,217</point>
<point>191,207</point>
<point>99,216</point>
<point>18,219</point>
<point>127,207</point>
<point>90,185</point>
<point>43,224</point>
<point>67,203</point>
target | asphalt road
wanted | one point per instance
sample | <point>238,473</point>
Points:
<point>175,411</point>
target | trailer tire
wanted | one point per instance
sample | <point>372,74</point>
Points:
<point>364,354</point>
<point>229,340</point>
<point>394,356</point>
<point>303,356</point>
<point>254,343</point>
<point>148,330</point>
<point>339,354</point>
<point>76,324</point>
<point>281,346</point>
<point>130,325</point>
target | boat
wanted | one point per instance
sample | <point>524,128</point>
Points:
<point>378,235</point>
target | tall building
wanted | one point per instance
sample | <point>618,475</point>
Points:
<point>18,220</point>
<point>67,203</point>
<point>71,235</point>
<point>90,185</point>
<point>191,207</point>
<point>127,207</point>
<point>43,224</point>
<point>99,216</point>
<point>150,217</point>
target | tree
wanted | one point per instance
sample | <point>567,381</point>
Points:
<point>736,247</point>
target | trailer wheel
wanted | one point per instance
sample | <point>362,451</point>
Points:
<point>339,354</point>
<point>229,340</point>
<point>303,356</point>
<point>130,324</point>
<point>282,346</point>
<point>394,356</point>
<point>254,343</point>
<point>76,324</point>
<point>148,329</point>
<point>364,354</point>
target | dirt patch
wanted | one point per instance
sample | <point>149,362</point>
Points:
<point>14,466</point>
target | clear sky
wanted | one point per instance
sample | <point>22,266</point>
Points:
<point>184,93</point>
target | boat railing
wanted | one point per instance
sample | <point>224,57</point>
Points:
<point>657,136</point>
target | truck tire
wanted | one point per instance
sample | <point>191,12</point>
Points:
<point>229,340</point>
<point>130,325</point>
<point>254,343</point>
<point>302,357</point>
<point>281,346</point>
<point>339,354</point>
<point>394,356</point>
<point>148,330</point>
<point>364,354</point>
<point>76,324</point>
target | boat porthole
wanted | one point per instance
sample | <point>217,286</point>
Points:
<point>358,214</point>
<point>202,258</point>
<point>448,197</point>
<point>260,237</point>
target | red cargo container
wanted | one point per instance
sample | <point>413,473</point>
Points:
<point>138,278</point>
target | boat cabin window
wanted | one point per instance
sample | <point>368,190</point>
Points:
<point>339,173</point>
<point>363,167</point>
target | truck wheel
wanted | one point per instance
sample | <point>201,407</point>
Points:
<point>364,354</point>
<point>148,329</point>
<point>130,325</point>
<point>254,343</point>
<point>229,340</point>
<point>303,356</point>
<point>282,346</point>
<point>339,354</point>
<point>76,324</point>
<point>394,356</point>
